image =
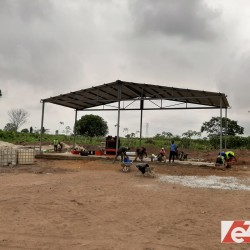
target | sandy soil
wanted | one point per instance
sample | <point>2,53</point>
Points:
<point>92,204</point>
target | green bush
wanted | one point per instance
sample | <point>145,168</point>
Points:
<point>232,142</point>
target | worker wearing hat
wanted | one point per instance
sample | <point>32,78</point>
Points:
<point>161,155</point>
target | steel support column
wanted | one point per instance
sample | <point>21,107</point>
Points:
<point>41,131</point>
<point>118,117</point>
<point>220,125</point>
<point>141,108</point>
<point>225,138</point>
<point>75,130</point>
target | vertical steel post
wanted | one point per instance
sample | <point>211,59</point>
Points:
<point>119,111</point>
<point>75,130</point>
<point>41,131</point>
<point>220,125</point>
<point>118,126</point>
<point>226,129</point>
<point>141,108</point>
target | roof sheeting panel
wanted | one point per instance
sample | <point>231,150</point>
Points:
<point>120,90</point>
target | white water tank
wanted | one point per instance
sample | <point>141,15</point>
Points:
<point>8,156</point>
<point>25,156</point>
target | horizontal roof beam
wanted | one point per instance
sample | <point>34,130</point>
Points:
<point>131,109</point>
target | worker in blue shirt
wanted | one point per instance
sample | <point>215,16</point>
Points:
<point>173,151</point>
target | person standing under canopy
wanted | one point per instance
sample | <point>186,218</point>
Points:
<point>173,150</point>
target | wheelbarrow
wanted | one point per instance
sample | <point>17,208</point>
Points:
<point>126,164</point>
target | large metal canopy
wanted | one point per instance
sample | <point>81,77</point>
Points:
<point>119,91</point>
<point>128,91</point>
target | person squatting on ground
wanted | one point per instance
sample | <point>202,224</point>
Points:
<point>225,158</point>
<point>173,150</point>
<point>140,153</point>
<point>161,155</point>
<point>122,151</point>
<point>60,146</point>
<point>182,156</point>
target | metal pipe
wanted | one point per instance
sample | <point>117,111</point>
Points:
<point>75,130</point>
<point>220,125</point>
<point>118,127</point>
<point>118,117</point>
<point>134,109</point>
<point>41,131</point>
<point>141,108</point>
<point>226,129</point>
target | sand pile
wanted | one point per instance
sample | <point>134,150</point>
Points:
<point>7,144</point>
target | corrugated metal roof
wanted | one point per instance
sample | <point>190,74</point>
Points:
<point>127,91</point>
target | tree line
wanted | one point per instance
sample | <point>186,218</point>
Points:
<point>95,126</point>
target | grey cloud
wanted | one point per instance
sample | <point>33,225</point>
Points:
<point>190,20</point>
<point>50,47</point>
<point>234,80</point>
<point>26,10</point>
<point>41,44</point>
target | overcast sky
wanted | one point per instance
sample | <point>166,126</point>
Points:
<point>52,47</point>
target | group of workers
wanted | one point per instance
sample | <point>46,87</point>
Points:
<point>224,158</point>
<point>141,152</point>
<point>173,154</point>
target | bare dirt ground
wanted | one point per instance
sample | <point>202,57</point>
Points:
<point>91,204</point>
